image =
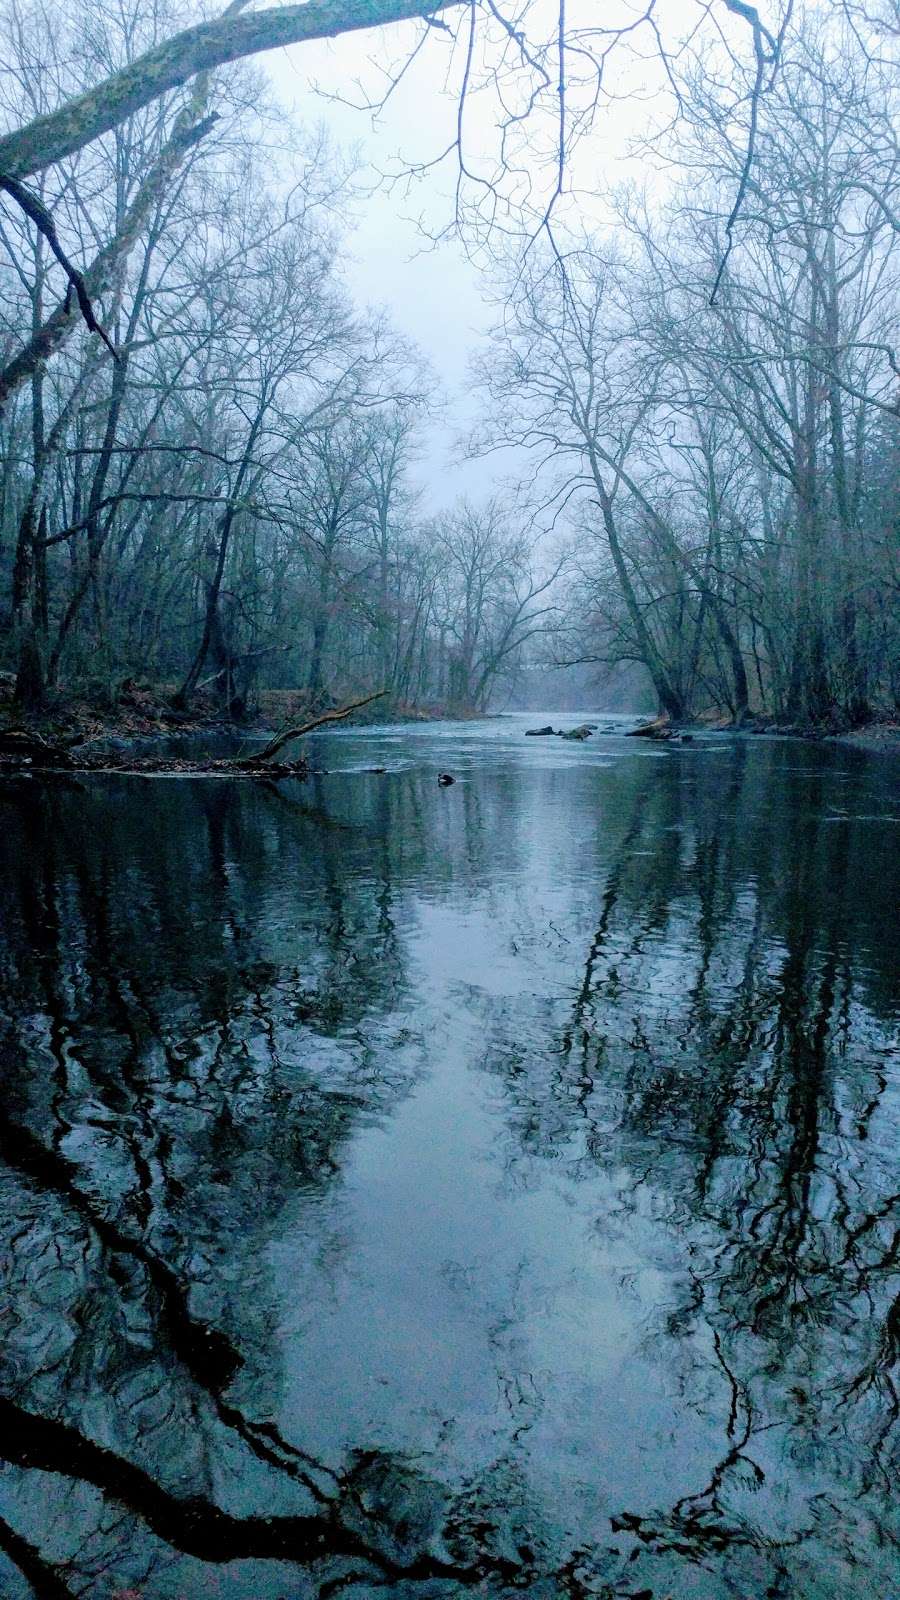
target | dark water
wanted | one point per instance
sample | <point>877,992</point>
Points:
<point>427,1191</point>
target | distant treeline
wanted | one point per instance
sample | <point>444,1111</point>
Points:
<point>719,407</point>
<point>219,489</point>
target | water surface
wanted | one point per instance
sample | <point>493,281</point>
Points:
<point>427,1191</point>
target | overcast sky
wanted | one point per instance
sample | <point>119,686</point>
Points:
<point>433,294</point>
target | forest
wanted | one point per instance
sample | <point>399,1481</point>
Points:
<point>210,453</point>
<point>439,1158</point>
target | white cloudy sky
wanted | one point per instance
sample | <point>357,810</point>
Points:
<point>434,295</point>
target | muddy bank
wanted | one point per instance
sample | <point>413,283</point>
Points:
<point>139,717</point>
<point>25,750</point>
<point>26,753</point>
<point>881,734</point>
<point>142,711</point>
<point>144,732</point>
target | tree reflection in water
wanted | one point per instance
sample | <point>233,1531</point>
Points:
<point>727,1058</point>
<point>668,1003</point>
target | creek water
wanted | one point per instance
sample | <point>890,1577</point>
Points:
<point>424,1190</point>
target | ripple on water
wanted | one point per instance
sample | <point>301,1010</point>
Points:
<point>489,1189</point>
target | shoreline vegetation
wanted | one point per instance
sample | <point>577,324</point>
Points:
<point>27,746</point>
<point>76,733</point>
<point>688,430</point>
<point>79,733</point>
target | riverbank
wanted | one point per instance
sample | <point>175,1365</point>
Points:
<point>881,734</point>
<point>144,712</point>
<point>143,718</point>
<point>144,735</point>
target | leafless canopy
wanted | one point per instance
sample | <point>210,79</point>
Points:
<point>529,77</point>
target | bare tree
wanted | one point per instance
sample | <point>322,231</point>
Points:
<point>487,599</point>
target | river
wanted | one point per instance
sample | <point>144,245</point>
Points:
<point>423,1191</point>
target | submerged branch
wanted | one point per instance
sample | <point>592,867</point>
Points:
<point>281,739</point>
<point>22,749</point>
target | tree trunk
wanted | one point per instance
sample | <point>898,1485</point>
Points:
<point>30,690</point>
<point>211,621</point>
<point>668,696</point>
<point>201,48</point>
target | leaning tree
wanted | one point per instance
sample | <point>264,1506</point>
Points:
<point>552,72</point>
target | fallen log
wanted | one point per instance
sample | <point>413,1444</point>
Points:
<point>260,757</point>
<point>659,728</point>
<point>22,747</point>
<point>151,767</point>
<point>23,751</point>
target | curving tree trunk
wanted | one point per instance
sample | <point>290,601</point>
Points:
<point>199,49</point>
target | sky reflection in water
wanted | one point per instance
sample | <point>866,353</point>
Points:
<point>421,1191</point>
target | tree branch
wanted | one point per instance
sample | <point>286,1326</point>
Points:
<point>281,739</point>
<point>96,278</point>
<point>43,221</point>
<point>199,49</point>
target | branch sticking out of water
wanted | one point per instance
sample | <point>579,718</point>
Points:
<point>281,739</point>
